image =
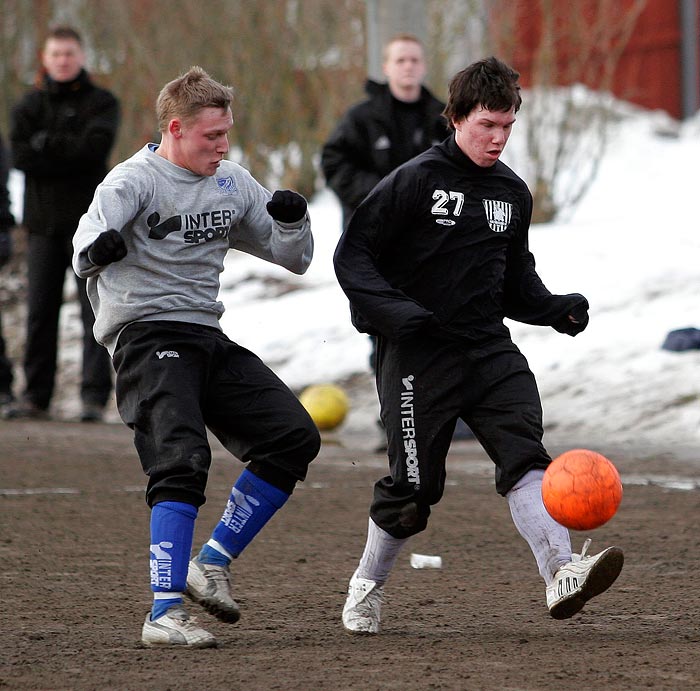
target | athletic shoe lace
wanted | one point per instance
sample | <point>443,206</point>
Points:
<point>190,624</point>
<point>186,621</point>
<point>582,556</point>
<point>372,602</point>
<point>219,575</point>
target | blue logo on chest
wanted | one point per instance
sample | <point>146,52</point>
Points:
<point>227,185</point>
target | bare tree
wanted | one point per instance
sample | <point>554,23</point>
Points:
<point>296,65</point>
<point>566,125</point>
<point>289,62</point>
<point>458,35</point>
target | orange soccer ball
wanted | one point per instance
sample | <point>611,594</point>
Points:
<point>581,489</point>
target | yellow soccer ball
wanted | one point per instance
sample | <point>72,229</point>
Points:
<point>327,404</point>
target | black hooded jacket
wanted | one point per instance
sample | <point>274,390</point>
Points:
<point>6,218</point>
<point>61,137</point>
<point>440,246</point>
<point>367,143</point>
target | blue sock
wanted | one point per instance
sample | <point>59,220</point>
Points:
<point>211,555</point>
<point>172,528</point>
<point>252,504</point>
<point>160,607</point>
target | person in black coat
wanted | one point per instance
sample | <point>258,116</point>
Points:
<point>433,260</point>
<point>62,133</point>
<point>7,222</point>
<point>398,120</point>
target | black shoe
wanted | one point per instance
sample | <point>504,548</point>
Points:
<point>6,400</point>
<point>92,412</point>
<point>24,410</point>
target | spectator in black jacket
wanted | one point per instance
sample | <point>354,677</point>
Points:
<point>432,261</point>
<point>7,221</point>
<point>62,133</point>
<point>397,121</point>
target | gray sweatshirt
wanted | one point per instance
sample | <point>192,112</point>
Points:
<point>177,227</point>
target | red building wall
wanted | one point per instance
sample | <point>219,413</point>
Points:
<point>579,39</point>
<point>649,71</point>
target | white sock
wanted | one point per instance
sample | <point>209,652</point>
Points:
<point>549,541</point>
<point>380,554</point>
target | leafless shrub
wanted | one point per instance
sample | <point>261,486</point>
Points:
<point>566,128</point>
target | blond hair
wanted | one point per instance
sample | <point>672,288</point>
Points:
<point>411,38</point>
<point>185,96</point>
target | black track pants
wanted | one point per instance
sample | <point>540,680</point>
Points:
<point>175,380</point>
<point>48,259</point>
<point>424,385</point>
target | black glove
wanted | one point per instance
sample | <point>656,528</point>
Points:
<point>575,321</point>
<point>5,247</point>
<point>109,247</point>
<point>287,206</point>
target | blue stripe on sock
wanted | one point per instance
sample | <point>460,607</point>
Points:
<point>160,607</point>
<point>209,555</point>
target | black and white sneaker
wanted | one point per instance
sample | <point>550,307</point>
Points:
<point>581,579</point>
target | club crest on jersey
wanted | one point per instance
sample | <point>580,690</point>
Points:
<point>227,185</point>
<point>498,214</point>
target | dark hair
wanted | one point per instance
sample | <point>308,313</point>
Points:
<point>64,32</point>
<point>489,83</point>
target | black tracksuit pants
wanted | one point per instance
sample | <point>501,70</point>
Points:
<point>6,374</point>
<point>175,380</point>
<point>424,385</point>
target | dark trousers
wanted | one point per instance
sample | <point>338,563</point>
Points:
<point>176,380</point>
<point>424,386</point>
<point>6,375</point>
<point>48,259</point>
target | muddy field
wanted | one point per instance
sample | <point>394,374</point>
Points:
<point>74,581</point>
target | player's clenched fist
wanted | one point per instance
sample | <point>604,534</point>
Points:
<point>287,206</point>
<point>108,248</point>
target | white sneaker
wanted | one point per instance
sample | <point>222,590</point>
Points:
<point>175,627</point>
<point>210,586</point>
<point>362,610</point>
<point>582,578</point>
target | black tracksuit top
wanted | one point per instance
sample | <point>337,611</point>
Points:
<point>440,246</point>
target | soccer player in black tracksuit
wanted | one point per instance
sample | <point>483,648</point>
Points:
<point>432,261</point>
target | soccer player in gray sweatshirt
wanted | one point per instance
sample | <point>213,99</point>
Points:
<point>152,246</point>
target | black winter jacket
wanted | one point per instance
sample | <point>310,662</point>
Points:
<point>6,222</point>
<point>441,246</point>
<point>6,218</point>
<point>61,137</point>
<point>363,148</point>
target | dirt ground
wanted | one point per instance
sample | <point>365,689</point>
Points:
<point>74,581</point>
